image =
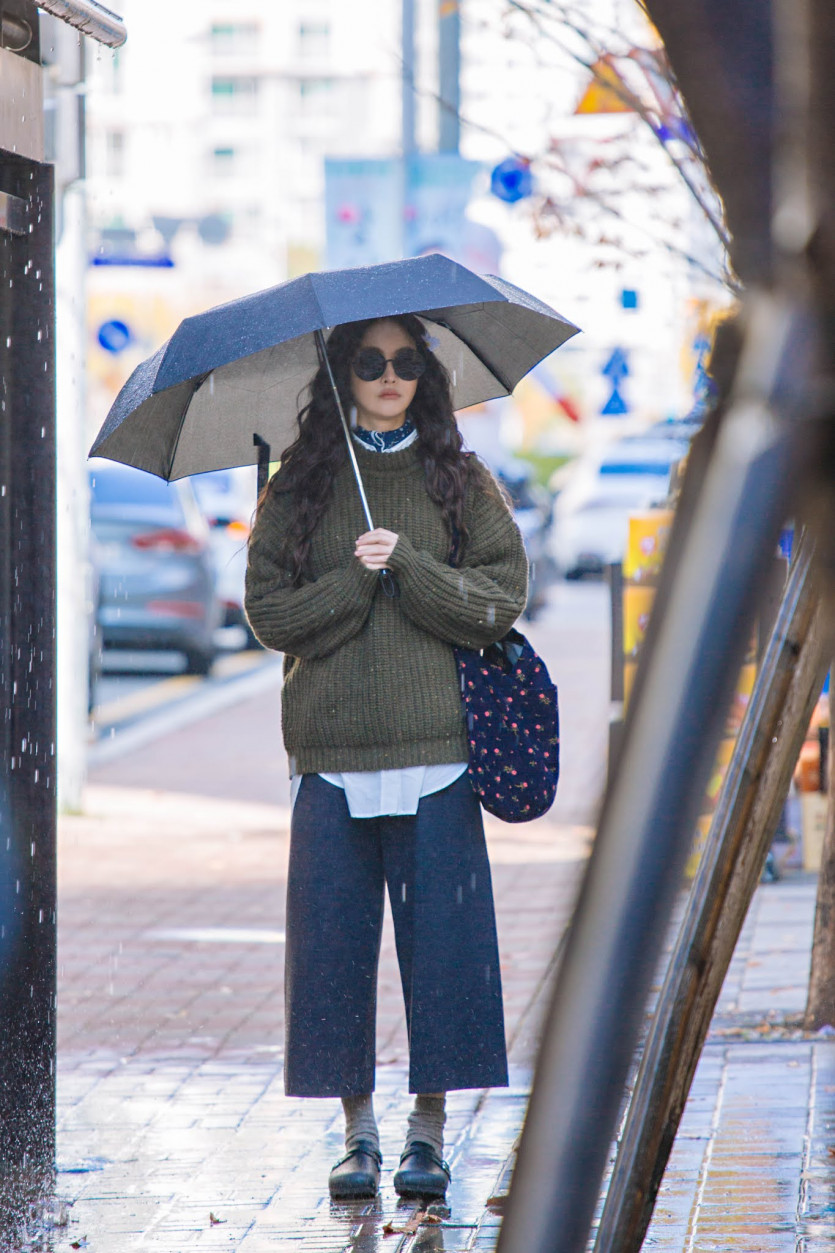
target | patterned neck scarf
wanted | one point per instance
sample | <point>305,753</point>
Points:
<point>386,441</point>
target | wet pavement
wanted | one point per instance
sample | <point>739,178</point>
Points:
<point>174,1132</point>
<point>752,1166</point>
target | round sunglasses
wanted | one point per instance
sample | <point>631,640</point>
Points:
<point>370,364</point>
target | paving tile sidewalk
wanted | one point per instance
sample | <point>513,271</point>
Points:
<point>174,1131</point>
<point>752,1166</point>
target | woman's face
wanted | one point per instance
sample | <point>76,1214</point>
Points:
<point>382,403</point>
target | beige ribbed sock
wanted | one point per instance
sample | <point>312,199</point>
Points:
<point>360,1123</point>
<point>426,1121</point>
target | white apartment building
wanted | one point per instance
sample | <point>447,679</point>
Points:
<point>220,108</point>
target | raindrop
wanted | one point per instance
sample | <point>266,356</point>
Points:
<point>40,915</point>
<point>403,891</point>
<point>459,894</point>
<point>32,849</point>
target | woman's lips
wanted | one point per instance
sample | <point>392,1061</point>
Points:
<point>389,395</point>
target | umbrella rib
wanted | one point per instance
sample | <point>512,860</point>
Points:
<point>488,367</point>
<point>198,380</point>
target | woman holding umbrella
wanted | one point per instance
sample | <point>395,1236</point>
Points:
<point>372,723</point>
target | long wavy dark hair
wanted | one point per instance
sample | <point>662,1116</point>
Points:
<point>310,464</point>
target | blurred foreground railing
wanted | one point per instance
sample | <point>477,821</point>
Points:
<point>767,454</point>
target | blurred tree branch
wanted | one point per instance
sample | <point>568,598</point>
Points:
<point>576,186</point>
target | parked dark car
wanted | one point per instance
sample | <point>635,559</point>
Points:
<point>155,566</point>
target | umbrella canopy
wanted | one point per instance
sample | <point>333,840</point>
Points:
<point>240,369</point>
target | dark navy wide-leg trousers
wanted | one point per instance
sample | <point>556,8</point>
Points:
<point>438,876</point>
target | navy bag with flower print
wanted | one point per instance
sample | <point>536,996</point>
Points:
<point>513,730</point>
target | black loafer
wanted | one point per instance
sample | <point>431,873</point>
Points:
<point>422,1172</point>
<point>356,1176</point>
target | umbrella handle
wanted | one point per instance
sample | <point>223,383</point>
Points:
<point>389,584</point>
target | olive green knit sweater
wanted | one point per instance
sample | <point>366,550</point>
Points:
<point>370,681</point>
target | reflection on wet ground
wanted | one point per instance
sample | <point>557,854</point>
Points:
<point>170,1157</point>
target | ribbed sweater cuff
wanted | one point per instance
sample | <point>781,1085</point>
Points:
<point>404,557</point>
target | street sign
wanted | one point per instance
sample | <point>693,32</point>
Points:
<point>511,180</point>
<point>616,370</point>
<point>363,210</point>
<point>114,335</point>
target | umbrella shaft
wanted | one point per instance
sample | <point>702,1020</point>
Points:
<point>324,352</point>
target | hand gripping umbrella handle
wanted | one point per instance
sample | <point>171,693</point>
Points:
<point>387,579</point>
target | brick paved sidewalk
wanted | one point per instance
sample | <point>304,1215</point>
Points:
<point>174,1131</point>
<point>173,1128</point>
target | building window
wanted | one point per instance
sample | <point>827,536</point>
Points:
<point>315,94</point>
<point>234,94</point>
<point>234,38</point>
<point>114,154</point>
<point>224,161</point>
<point>314,39</point>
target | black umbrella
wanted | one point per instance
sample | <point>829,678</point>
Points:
<point>225,388</point>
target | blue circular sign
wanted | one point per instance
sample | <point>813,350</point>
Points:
<point>512,180</point>
<point>114,336</point>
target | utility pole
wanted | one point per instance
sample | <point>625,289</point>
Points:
<point>407,94</point>
<point>62,53</point>
<point>449,75</point>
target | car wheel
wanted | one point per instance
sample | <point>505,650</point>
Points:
<point>252,640</point>
<point>199,662</point>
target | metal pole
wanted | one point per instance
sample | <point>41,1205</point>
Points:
<point>614,574</point>
<point>323,352</point>
<point>90,18</point>
<point>449,75</point>
<point>789,680</point>
<point>407,91</point>
<point>27,682</point>
<point>649,814</point>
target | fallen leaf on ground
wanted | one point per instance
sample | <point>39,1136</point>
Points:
<point>497,1202</point>
<point>215,1222</point>
<point>421,1218</point>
